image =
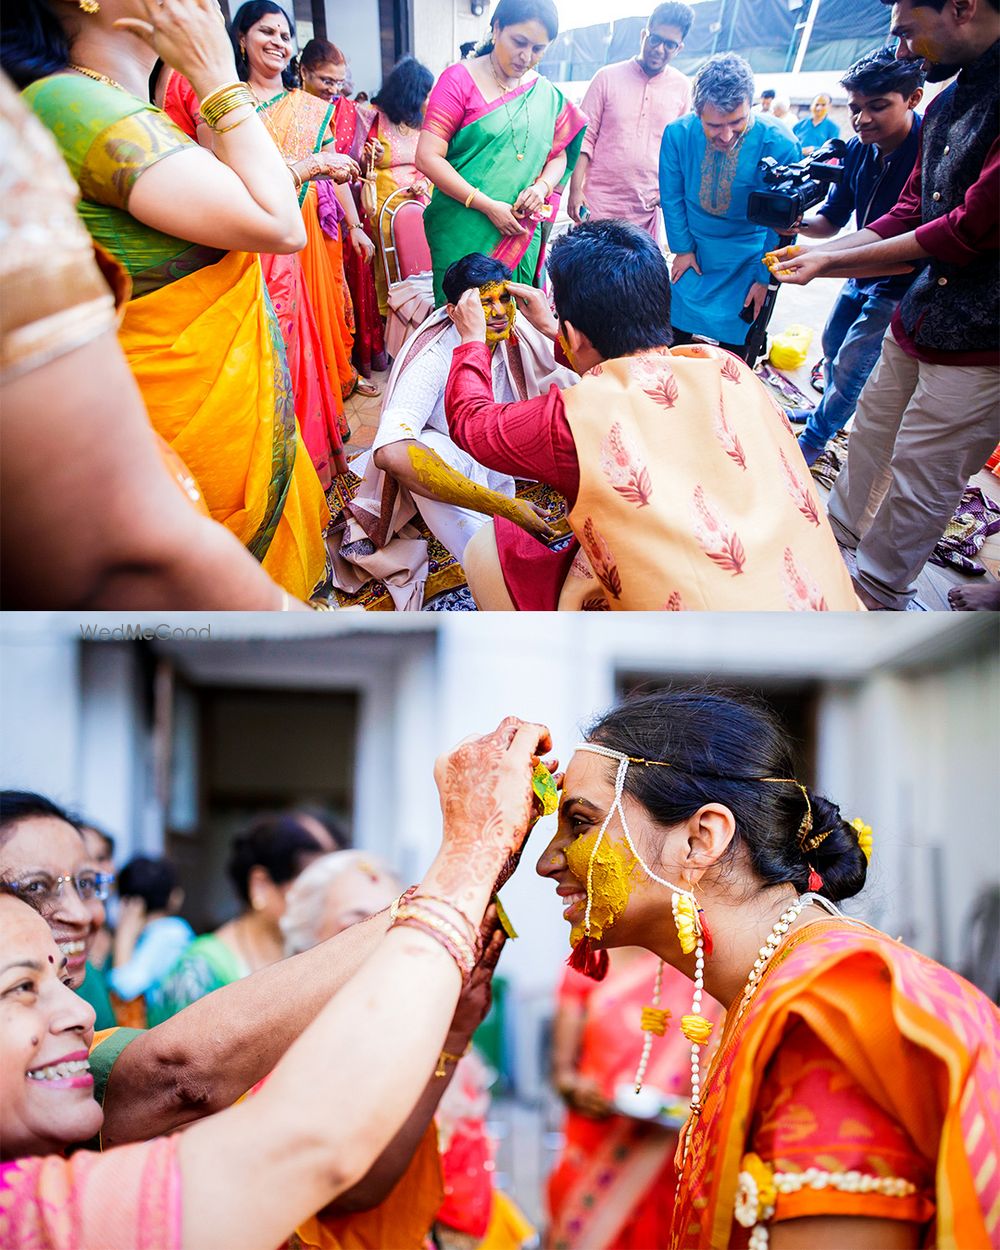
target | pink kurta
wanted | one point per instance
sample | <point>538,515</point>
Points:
<point>628,113</point>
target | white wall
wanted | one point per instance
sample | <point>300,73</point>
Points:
<point>355,29</point>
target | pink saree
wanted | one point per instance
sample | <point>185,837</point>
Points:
<point>127,1199</point>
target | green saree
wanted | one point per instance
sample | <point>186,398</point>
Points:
<point>484,141</point>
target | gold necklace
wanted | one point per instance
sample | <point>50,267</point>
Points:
<point>263,110</point>
<point>510,120</point>
<point>92,73</point>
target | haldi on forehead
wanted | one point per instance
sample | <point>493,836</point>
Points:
<point>497,300</point>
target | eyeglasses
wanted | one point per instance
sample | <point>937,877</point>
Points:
<point>44,892</point>
<point>657,41</point>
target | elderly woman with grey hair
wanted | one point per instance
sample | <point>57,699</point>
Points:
<point>334,892</point>
<point>708,167</point>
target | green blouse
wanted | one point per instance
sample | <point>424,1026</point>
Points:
<point>108,138</point>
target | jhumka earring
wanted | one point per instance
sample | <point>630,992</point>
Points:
<point>89,6</point>
<point>691,930</point>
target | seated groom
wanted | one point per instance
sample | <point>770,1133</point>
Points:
<point>686,487</point>
<point>415,466</point>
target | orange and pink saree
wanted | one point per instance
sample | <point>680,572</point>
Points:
<point>857,1056</point>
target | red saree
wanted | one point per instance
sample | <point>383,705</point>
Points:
<point>353,124</point>
<point>613,1187</point>
<point>910,1040</point>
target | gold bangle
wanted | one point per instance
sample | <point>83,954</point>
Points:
<point>222,102</point>
<point>295,177</point>
<point>226,86</point>
<point>221,130</point>
<point>472,195</point>
<point>548,189</point>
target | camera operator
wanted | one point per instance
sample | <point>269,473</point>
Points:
<point>708,166</point>
<point>928,416</point>
<point>882,93</point>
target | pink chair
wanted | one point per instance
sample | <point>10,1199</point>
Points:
<point>401,227</point>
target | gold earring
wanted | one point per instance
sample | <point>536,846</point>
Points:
<point>89,6</point>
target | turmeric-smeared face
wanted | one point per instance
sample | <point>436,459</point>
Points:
<point>611,878</point>
<point>498,309</point>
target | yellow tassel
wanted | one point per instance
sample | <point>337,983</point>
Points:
<point>686,921</point>
<point>696,1029</point>
<point>654,1020</point>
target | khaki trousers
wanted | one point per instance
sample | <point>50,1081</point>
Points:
<point>920,432</point>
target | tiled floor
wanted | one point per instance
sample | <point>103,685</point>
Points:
<point>362,416</point>
<point>802,305</point>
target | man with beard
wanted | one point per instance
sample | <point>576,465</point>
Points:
<point>629,105</point>
<point>928,417</point>
<point>709,163</point>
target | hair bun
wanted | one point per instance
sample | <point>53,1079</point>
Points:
<point>838,858</point>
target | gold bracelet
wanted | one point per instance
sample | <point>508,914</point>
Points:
<point>222,102</point>
<point>447,1057</point>
<point>226,86</point>
<point>548,189</point>
<point>221,130</point>
<point>295,177</point>
<point>472,195</point>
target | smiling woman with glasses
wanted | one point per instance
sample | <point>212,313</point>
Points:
<point>45,892</point>
<point>44,860</point>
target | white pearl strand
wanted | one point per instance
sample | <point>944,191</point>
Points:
<point>647,1042</point>
<point>699,985</point>
<point>774,940</point>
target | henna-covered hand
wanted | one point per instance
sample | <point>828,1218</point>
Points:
<point>486,800</point>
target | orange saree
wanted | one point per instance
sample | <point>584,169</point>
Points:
<point>300,124</point>
<point>861,1024</point>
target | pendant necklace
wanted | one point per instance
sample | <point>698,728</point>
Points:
<point>518,152</point>
<point>92,73</point>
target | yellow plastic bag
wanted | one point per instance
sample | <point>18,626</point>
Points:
<point>789,348</point>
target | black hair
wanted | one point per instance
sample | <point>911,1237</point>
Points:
<point>513,12</point>
<point>152,880</point>
<point>34,42</point>
<point>472,270</point>
<point>768,94</point>
<point>610,280</point>
<point>720,749</point>
<point>338,834</point>
<point>278,844</point>
<point>672,14</point>
<point>882,71</point>
<point>403,93</point>
<point>18,805</point>
<point>248,15</point>
<point>88,826</point>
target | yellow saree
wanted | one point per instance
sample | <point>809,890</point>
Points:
<point>199,335</point>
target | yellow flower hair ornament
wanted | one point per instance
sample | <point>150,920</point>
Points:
<point>864,833</point>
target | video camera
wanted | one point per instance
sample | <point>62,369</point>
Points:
<point>793,189</point>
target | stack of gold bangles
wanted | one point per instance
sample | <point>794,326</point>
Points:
<point>223,101</point>
<point>444,922</point>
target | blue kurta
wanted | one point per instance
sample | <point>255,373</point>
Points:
<point>812,136</point>
<point>703,194</point>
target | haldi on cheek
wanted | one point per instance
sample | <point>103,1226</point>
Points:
<point>498,305</point>
<point>611,881</point>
